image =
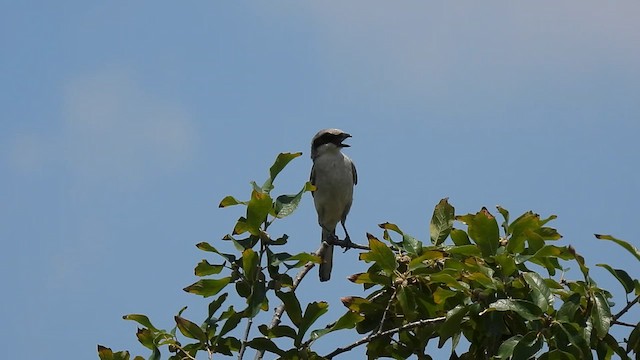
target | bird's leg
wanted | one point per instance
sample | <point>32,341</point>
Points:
<point>333,238</point>
<point>347,244</point>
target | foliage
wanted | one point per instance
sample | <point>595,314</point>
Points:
<point>499,286</point>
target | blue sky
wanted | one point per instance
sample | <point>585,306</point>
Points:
<point>124,124</point>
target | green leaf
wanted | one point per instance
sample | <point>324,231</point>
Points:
<point>441,295</point>
<point>527,310</point>
<point>233,319</point>
<point>633,344</point>
<point>146,338</point>
<point>581,263</point>
<point>304,258</point>
<point>601,315</point>
<point>528,346</point>
<point>562,252</point>
<point>204,246</point>
<point>568,309</point>
<point>612,343</point>
<point>190,329</point>
<point>411,245</point>
<point>257,300</point>
<point>483,229</point>
<point>622,276</point>
<point>107,354</point>
<point>285,205</point>
<point>419,261</point>
<point>505,215</point>
<point>407,301</point>
<point>207,287</point>
<point>630,248</point>
<point>507,263</point>
<point>291,306</point>
<point>557,355</point>
<point>452,323</point>
<point>346,321</point>
<point>313,311</point>
<point>448,280</point>
<point>459,237</point>
<point>230,201</point>
<point>390,226</point>
<point>278,331</point>
<point>250,264</point>
<point>441,222</point>
<point>548,233</point>
<point>381,255</point>
<point>140,319</point>
<point>506,348</point>
<point>467,250</point>
<point>576,337</point>
<point>518,228</point>
<point>540,292</point>
<point>257,210</point>
<point>204,268</point>
<point>215,304</point>
<point>264,344</point>
<point>281,161</point>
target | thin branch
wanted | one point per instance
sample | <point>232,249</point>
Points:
<point>386,310</point>
<point>367,339</point>
<point>263,248</point>
<point>277,315</point>
<point>617,322</point>
<point>626,308</point>
<point>184,352</point>
<point>243,346</point>
<point>346,245</point>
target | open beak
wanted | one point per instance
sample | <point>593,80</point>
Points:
<point>345,136</point>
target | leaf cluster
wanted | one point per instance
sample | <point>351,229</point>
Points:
<point>499,286</point>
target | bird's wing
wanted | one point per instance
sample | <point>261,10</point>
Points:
<point>312,178</point>
<point>355,173</point>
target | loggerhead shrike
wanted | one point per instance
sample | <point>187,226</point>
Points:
<point>334,176</point>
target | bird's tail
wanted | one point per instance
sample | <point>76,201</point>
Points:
<point>326,257</point>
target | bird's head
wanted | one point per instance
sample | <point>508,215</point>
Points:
<point>328,139</point>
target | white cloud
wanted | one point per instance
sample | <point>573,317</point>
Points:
<point>115,129</point>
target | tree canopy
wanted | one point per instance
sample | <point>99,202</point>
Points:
<point>496,282</point>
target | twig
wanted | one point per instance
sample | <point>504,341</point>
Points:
<point>367,339</point>
<point>243,346</point>
<point>617,322</point>
<point>277,315</point>
<point>346,244</point>
<point>386,310</point>
<point>626,308</point>
<point>184,352</point>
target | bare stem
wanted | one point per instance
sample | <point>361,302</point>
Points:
<point>277,316</point>
<point>617,322</point>
<point>243,346</point>
<point>367,339</point>
<point>626,308</point>
<point>386,310</point>
<point>346,244</point>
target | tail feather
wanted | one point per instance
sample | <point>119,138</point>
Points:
<point>326,257</point>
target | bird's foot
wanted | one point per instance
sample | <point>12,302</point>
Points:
<point>346,244</point>
<point>333,239</point>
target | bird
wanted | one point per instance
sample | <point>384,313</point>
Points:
<point>334,175</point>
